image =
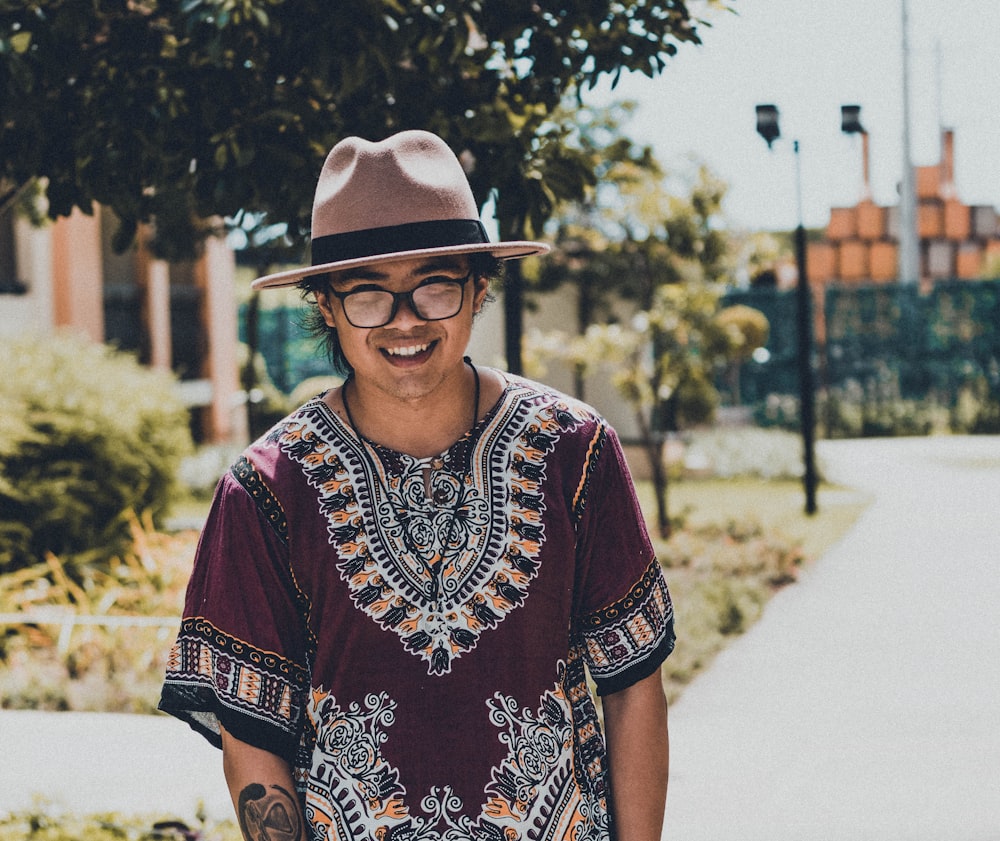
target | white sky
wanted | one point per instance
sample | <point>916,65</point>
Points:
<point>809,57</point>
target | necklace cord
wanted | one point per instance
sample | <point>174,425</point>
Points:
<point>475,401</point>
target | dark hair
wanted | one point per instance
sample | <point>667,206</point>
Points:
<point>482,266</point>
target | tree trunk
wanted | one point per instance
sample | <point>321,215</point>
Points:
<point>249,373</point>
<point>580,382</point>
<point>513,309</point>
<point>584,318</point>
<point>653,446</point>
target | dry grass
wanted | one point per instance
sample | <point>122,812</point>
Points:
<point>42,823</point>
<point>52,666</point>
<point>777,506</point>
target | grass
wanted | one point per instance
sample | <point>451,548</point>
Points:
<point>95,668</point>
<point>777,505</point>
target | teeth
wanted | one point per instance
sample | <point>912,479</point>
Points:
<point>412,350</point>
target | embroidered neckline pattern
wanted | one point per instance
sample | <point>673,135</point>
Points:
<point>440,572</point>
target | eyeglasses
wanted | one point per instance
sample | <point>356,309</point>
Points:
<point>435,299</point>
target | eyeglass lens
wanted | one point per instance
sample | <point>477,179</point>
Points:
<point>430,302</point>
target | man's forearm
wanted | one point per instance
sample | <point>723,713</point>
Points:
<point>638,758</point>
<point>263,793</point>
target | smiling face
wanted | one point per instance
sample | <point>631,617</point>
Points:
<point>409,358</point>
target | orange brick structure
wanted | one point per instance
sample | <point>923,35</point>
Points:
<point>862,242</point>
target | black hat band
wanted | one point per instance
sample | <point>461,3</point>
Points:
<point>393,239</point>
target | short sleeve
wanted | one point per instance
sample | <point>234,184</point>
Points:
<point>624,611</point>
<point>242,655</point>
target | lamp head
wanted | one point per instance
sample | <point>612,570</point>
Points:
<point>850,119</point>
<point>767,123</point>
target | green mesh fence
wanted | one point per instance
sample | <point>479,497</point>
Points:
<point>923,344</point>
<point>290,354</point>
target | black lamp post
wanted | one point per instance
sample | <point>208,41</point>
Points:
<point>767,127</point>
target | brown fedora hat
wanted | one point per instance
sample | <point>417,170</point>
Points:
<point>400,198</point>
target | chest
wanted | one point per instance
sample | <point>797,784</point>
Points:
<point>436,554</point>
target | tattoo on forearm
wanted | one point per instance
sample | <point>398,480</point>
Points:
<point>269,814</point>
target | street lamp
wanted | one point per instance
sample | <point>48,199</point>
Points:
<point>850,123</point>
<point>768,128</point>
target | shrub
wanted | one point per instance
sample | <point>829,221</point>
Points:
<point>199,473</point>
<point>87,436</point>
<point>853,410</point>
<point>977,409</point>
<point>43,823</point>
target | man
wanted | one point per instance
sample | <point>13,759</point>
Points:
<point>401,587</point>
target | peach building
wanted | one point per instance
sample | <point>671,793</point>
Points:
<point>174,316</point>
<point>862,242</point>
<point>861,246</point>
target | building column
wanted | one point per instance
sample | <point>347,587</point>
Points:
<point>227,420</point>
<point>157,309</point>
<point>78,275</point>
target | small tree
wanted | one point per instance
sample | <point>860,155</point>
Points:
<point>663,363</point>
<point>748,330</point>
<point>664,251</point>
<point>667,360</point>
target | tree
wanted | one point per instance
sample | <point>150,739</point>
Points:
<point>663,363</point>
<point>659,244</point>
<point>183,111</point>
<point>748,330</point>
<point>588,231</point>
<point>637,227</point>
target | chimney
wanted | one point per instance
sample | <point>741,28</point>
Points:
<point>947,163</point>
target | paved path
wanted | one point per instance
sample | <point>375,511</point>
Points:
<point>864,705</point>
<point>85,763</point>
<point>866,702</point>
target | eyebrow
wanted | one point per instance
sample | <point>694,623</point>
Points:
<point>363,274</point>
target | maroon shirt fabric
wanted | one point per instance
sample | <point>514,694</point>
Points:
<point>414,635</point>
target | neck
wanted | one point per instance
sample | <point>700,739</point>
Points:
<point>422,428</point>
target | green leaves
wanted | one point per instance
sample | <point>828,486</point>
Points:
<point>236,102</point>
<point>88,438</point>
<point>19,42</point>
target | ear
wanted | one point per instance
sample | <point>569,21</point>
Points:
<point>325,304</point>
<point>482,289</point>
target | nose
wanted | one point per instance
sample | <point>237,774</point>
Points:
<point>405,314</point>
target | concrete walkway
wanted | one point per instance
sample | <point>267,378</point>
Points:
<point>864,705</point>
<point>86,763</point>
<point>866,702</point>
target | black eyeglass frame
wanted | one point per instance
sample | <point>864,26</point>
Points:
<point>402,296</point>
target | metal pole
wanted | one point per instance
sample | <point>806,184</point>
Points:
<point>909,242</point>
<point>807,387</point>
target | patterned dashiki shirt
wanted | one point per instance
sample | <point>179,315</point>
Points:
<point>414,635</point>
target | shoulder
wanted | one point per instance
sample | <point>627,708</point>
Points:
<point>570,415</point>
<point>540,394</point>
<point>311,426</point>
